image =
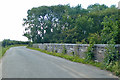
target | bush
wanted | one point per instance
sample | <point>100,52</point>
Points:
<point>89,53</point>
<point>30,44</point>
<point>8,42</point>
<point>111,53</point>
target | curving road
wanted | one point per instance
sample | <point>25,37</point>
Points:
<point>20,62</point>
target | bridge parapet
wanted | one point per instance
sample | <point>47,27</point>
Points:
<point>76,49</point>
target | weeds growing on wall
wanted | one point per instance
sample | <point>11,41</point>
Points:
<point>89,53</point>
<point>76,50</point>
<point>45,47</point>
<point>111,54</point>
<point>72,53</point>
<point>111,60</point>
<point>64,50</point>
<point>53,49</point>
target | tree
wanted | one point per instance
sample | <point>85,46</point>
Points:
<point>62,23</point>
<point>96,7</point>
<point>110,29</point>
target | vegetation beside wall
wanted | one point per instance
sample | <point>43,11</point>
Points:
<point>114,68</point>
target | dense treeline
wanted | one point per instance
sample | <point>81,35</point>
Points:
<point>64,24</point>
<point>8,42</point>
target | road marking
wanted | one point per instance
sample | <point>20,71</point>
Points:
<point>84,76</point>
<point>75,76</point>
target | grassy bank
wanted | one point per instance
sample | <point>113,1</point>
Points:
<point>115,69</point>
<point>4,49</point>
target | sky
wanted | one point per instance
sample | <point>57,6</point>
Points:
<point>12,13</point>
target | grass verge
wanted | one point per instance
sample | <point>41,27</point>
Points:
<point>4,49</point>
<point>115,69</point>
<point>68,57</point>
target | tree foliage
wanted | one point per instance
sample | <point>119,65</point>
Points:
<point>8,42</point>
<point>65,24</point>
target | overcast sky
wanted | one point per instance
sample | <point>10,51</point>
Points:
<point>12,13</point>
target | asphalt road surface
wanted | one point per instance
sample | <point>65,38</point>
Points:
<point>20,62</point>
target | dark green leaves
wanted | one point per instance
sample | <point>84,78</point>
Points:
<point>65,24</point>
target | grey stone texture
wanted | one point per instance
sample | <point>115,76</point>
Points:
<point>76,49</point>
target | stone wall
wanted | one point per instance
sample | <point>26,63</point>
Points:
<point>76,49</point>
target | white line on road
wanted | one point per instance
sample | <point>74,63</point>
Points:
<point>75,76</point>
<point>80,74</point>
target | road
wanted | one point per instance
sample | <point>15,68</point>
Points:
<point>20,62</point>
